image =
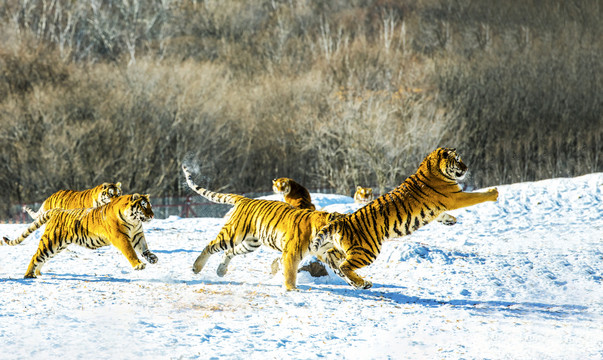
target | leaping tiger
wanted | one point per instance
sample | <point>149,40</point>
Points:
<point>423,196</point>
<point>70,199</point>
<point>119,223</point>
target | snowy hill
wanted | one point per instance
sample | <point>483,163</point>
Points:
<point>516,279</point>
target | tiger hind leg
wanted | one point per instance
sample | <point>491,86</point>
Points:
<point>247,246</point>
<point>354,279</point>
<point>353,261</point>
<point>46,250</point>
<point>334,259</point>
<point>220,243</point>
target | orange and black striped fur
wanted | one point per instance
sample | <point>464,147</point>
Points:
<point>363,195</point>
<point>295,194</point>
<point>276,224</point>
<point>70,199</point>
<point>426,194</point>
<point>119,223</point>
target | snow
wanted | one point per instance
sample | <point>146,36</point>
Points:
<point>517,279</point>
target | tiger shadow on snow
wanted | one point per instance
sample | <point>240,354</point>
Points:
<point>51,277</point>
<point>381,292</point>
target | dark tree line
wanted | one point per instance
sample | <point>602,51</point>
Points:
<point>333,94</point>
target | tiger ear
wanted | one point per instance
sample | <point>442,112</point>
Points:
<point>273,181</point>
<point>148,196</point>
<point>358,187</point>
<point>118,185</point>
<point>135,196</point>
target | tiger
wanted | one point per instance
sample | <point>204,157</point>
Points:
<point>430,191</point>
<point>363,195</point>
<point>275,224</point>
<point>70,199</point>
<point>299,197</point>
<point>119,223</point>
<point>295,194</point>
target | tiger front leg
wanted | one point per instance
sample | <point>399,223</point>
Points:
<point>140,246</point>
<point>464,199</point>
<point>124,245</point>
<point>290,264</point>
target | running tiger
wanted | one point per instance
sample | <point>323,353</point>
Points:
<point>119,223</point>
<point>69,199</point>
<point>254,222</point>
<point>295,194</point>
<point>426,194</point>
<point>363,195</point>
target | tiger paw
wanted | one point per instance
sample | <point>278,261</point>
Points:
<point>151,258</point>
<point>140,266</point>
<point>222,270</point>
<point>365,285</point>
<point>446,219</point>
<point>493,194</point>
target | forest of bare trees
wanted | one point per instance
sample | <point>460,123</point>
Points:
<point>331,93</point>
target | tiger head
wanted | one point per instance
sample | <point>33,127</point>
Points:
<point>281,186</point>
<point>139,208</point>
<point>448,162</point>
<point>363,195</point>
<point>108,191</point>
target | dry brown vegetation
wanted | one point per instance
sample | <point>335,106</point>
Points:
<point>330,93</point>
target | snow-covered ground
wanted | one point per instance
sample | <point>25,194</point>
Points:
<point>516,279</point>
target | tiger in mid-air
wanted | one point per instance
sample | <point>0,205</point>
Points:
<point>70,199</point>
<point>423,196</point>
<point>119,223</point>
<point>276,224</point>
<point>295,194</point>
<point>363,195</point>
